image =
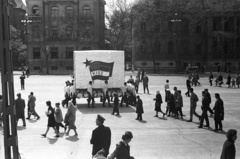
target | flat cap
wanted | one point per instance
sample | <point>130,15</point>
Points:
<point>100,118</point>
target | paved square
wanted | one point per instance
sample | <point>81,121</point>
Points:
<point>153,138</point>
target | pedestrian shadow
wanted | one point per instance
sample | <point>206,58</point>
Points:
<point>162,118</point>
<point>119,116</point>
<point>221,132</point>
<point>72,138</point>
<point>32,121</point>
<point>21,128</point>
<point>52,140</point>
<point>142,121</point>
<point>99,109</point>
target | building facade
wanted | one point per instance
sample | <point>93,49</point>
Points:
<point>58,27</point>
<point>174,43</point>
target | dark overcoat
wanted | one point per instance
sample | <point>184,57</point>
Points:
<point>219,110</point>
<point>101,139</point>
<point>229,150</point>
<point>122,151</point>
<point>158,102</point>
<point>139,108</point>
<point>20,107</point>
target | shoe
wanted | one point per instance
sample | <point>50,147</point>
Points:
<point>38,118</point>
<point>27,118</point>
<point>156,116</point>
<point>216,130</point>
<point>136,119</point>
<point>43,135</point>
<point>206,126</point>
<point>118,114</point>
<point>220,129</point>
<point>112,113</point>
<point>76,135</point>
<point>56,136</point>
<point>24,125</point>
<point>189,121</point>
<point>200,127</point>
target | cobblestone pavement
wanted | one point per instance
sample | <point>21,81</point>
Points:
<point>154,138</point>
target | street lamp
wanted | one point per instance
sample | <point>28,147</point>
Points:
<point>177,34</point>
<point>25,22</point>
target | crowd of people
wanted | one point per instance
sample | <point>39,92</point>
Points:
<point>231,82</point>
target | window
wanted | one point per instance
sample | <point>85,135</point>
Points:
<point>36,31</point>
<point>215,48</point>
<point>69,11</point>
<point>170,48</point>
<point>170,26</point>
<point>216,23</point>
<point>54,68</point>
<point>69,52</point>
<point>86,10</point>
<point>185,25</point>
<point>69,32</point>
<point>36,68</point>
<point>69,68</point>
<point>54,53</point>
<point>184,47</point>
<point>228,24</point>
<point>87,32</point>
<point>36,53</point>
<point>198,29</point>
<point>35,10</point>
<point>54,31</point>
<point>54,12</point>
<point>198,49</point>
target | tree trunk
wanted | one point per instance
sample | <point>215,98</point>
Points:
<point>47,66</point>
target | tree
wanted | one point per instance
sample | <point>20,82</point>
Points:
<point>19,49</point>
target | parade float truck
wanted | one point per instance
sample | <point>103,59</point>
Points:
<point>98,66</point>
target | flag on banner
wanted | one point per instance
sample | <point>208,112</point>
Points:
<point>100,70</point>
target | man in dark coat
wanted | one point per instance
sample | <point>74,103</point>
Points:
<point>139,108</point>
<point>145,82</point>
<point>229,150</point>
<point>101,137</point>
<point>205,105</point>
<point>210,100</point>
<point>188,84</point>
<point>20,107</point>
<point>22,78</point>
<point>219,112</point>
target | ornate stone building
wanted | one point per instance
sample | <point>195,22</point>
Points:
<point>58,27</point>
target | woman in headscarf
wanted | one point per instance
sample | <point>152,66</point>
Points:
<point>71,118</point>
<point>158,102</point>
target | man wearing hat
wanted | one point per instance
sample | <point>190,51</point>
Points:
<point>101,137</point>
<point>20,107</point>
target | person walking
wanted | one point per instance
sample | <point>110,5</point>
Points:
<point>205,105</point>
<point>139,108</point>
<point>188,84</point>
<point>238,80</point>
<point>66,94</point>
<point>193,105</point>
<point>106,95</point>
<point>179,106</point>
<point>90,95</point>
<point>229,78</point>
<point>171,104</point>
<point>210,101</point>
<point>71,118</point>
<point>166,87</point>
<point>145,82</point>
<point>22,81</point>
<point>20,109</point>
<point>229,149</point>
<point>124,95</point>
<point>219,112</point>
<point>122,150</point>
<point>158,102</point>
<point>116,105</point>
<point>143,73</point>
<point>136,84</point>
<point>101,137</point>
<point>58,117</point>
<point>32,105</point>
<point>210,78</point>
<point>51,120</point>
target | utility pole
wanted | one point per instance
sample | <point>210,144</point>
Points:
<point>9,111</point>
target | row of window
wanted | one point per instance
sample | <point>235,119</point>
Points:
<point>68,11</point>
<point>184,48</point>
<point>36,68</point>
<point>53,53</point>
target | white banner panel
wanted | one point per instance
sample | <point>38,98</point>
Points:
<point>98,66</point>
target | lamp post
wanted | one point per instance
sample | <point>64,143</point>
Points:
<point>25,22</point>
<point>177,34</point>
